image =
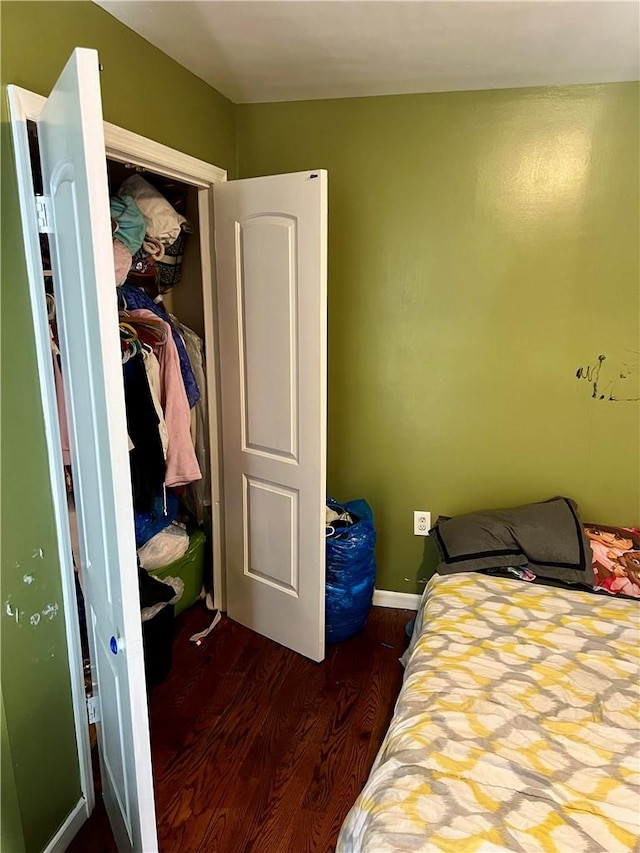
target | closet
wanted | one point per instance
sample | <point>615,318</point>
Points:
<point>165,286</point>
<point>172,514</point>
<point>260,303</point>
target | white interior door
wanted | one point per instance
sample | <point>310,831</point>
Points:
<point>271,247</point>
<point>72,152</point>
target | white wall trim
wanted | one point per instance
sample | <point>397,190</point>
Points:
<point>126,146</point>
<point>69,829</point>
<point>389,598</point>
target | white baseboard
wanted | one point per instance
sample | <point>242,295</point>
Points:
<point>69,829</point>
<point>403,600</point>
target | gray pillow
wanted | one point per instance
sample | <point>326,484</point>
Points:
<point>545,537</point>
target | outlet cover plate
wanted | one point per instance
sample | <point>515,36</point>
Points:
<point>421,522</point>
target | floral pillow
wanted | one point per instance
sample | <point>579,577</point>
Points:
<point>616,559</point>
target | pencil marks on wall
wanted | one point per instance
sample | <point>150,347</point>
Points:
<point>614,381</point>
<point>21,616</point>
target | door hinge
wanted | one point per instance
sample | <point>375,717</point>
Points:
<point>43,213</point>
<point>93,709</point>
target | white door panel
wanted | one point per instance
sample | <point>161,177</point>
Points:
<point>271,247</point>
<point>74,172</point>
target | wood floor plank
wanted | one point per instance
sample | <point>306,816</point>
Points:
<point>189,796</point>
<point>318,824</point>
<point>258,750</point>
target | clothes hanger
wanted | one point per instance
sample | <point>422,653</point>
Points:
<point>130,344</point>
<point>153,331</point>
<point>127,332</point>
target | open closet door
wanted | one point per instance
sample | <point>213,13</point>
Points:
<point>72,152</point>
<point>271,246</point>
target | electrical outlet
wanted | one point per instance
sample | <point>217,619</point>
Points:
<point>421,522</point>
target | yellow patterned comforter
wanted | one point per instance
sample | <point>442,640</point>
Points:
<point>517,727</point>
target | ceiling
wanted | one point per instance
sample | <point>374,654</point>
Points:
<point>302,49</point>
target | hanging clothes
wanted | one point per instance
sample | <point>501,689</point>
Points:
<point>57,377</point>
<point>146,458</point>
<point>62,411</point>
<point>181,464</point>
<point>152,368</point>
<point>198,494</point>
<point>135,298</point>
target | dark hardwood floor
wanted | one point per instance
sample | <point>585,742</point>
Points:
<point>258,750</point>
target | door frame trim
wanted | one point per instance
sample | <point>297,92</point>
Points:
<point>124,146</point>
<point>68,829</point>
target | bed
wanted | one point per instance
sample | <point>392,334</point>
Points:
<point>517,727</point>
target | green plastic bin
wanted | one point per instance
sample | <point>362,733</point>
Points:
<point>189,567</point>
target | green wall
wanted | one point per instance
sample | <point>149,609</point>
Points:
<point>483,246</point>
<point>11,834</point>
<point>143,91</point>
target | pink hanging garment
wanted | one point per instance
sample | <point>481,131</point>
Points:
<point>182,465</point>
<point>62,410</point>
